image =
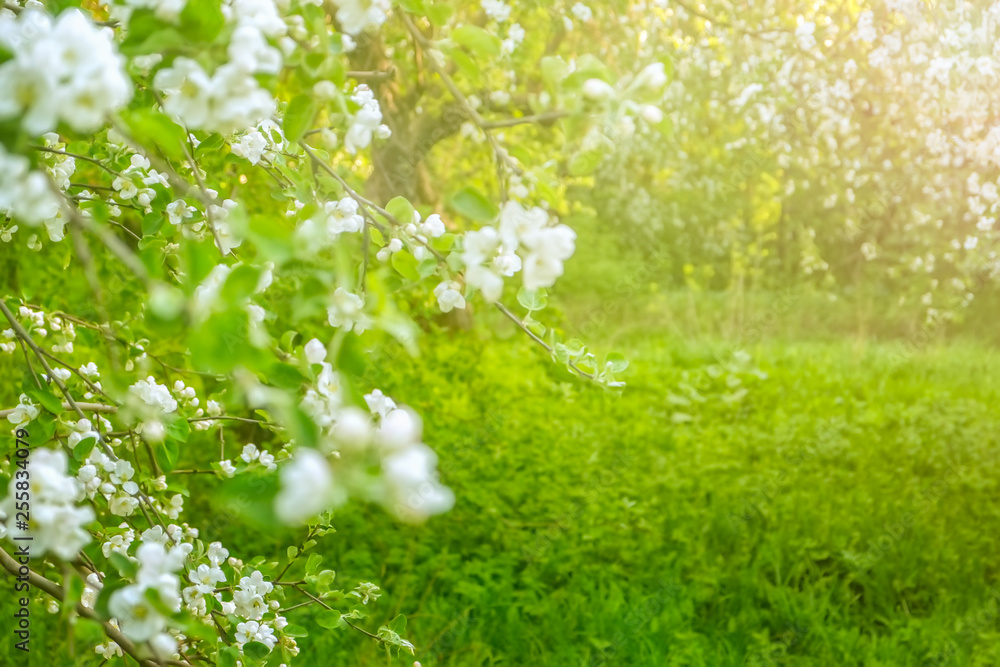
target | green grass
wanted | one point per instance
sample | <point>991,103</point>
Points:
<point>600,529</point>
<point>685,521</point>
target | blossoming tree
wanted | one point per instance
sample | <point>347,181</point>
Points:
<point>852,145</point>
<point>237,207</point>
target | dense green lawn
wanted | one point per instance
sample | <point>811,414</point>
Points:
<point>825,504</point>
<point>845,509</point>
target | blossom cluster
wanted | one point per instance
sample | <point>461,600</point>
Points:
<point>63,71</point>
<point>57,521</point>
<point>490,254</point>
<point>314,481</point>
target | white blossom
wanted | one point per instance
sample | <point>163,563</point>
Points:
<point>413,491</point>
<point>347,311</point>
<point>226,101</point>
<point>582,12</point>
<point>315,351</point>
<point>449,296</point>
<point>56,524</point>
<point>366,122</point>
<point>23,412</point>
<point>154,395</point>
<point>355,16</point>
<point>306,487</point>
<point>497,10</point>
<point>67,71</point>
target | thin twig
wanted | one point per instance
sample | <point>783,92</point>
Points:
<point>546,117</point>
<point>89,407</point>
<point>77,156</point>
<point>548,348</point>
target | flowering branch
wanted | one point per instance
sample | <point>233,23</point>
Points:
<point>55,590</point>
<point>89,407</point>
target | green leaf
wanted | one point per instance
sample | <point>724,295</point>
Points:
<point>153,128</point>
<point>575,347</point>
<point>535,327</point>
<point>164,39</point>
<point>288,340</point>
<point>313,563</point>
<point>554,70</point>
<point>178,429</point>
<point>199,259</point>
<point>152,224</point>
<point>167,453</point>
<point>616,362</point>
<point>223,341</point>
<point>329,619</point>
<point>202,20</point>
<point>210,144</point>
<point>42,428</point>
<point>474,205</point>
<point>249,498</point>
<point>285,376</point>
<point>228,656</point>
<point>240,284</point>
<point>401,209</point>
<point>301,426</point>
<point>439,13</point>
<point>532,300</point>
<point>397,624</point>
<point>476,40</point>
<point>156,600</point>
<point>111,583</point>
<point>352,356</point>
<point>586,161</point>
<point>123,564</point>
<point>392,638</point>
<point>465,63</point>
<point>295,631</point>
<point>82,449</point>
<point>299,116</point>
<point>197,630</point>
<point>272,238</point>
<point>588,66</point>
<point>48,400</point>
<point>73,586</point>
<point>668,67</point>
<point>256,650</point>
<point>406,264</point>
<point>147,34</point>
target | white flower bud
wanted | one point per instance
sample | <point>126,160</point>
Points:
<point>353,429</point>
<point>652,76</point>
<point>325,90</point>
<point>597,90</point>
<point>315,351</point>
<point>398,429</point>
<point>652,114</point>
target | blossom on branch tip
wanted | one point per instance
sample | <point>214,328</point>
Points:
<point>355,16</point>
<point>307,487</point>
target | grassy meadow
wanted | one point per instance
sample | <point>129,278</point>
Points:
<point>775,486</point>
<point>822,502</point>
